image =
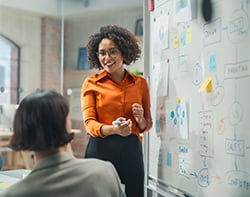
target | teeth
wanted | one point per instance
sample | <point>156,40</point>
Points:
<point>110,64</point>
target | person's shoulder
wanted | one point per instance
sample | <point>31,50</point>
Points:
<point>97,166</point>
<point>94,162</point>
<point>92,77</point>
<point>95,77</point>
<point>139,79</point>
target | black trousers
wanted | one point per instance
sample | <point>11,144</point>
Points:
<point>125,153</point>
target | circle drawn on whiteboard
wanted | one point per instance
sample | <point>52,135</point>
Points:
<point>175,121</point>
<point>218,95</point>
<point>173,118</point>
<point>172,114</point>
<point>197,75</point>
<point>238,26</point>
<point>235,114</point>
<point>203,177</point>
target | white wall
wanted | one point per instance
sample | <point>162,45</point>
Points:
<point>79,29</point>
<point>25,30</point>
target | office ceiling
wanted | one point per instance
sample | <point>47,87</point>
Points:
<point>70,7</point>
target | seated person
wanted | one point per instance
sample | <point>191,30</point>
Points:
<point>42,124</point>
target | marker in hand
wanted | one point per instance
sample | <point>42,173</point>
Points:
<point>116,122</point>
<point>122,126</point>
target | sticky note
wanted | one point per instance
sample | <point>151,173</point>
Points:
<point>183,38</point>
<point>169,159</point>
<point>212,63</point>
<point>176,41</point>
<point>189,35</point>
<point>179,100</point>
<point>207,85</point>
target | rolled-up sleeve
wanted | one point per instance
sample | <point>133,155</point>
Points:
<point>92,126</point>
<point>146,105</point>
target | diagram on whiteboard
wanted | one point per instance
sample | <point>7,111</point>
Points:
<point>177,118</point>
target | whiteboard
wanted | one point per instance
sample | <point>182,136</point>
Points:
<point>199,82</point>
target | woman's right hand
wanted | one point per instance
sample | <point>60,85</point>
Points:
<point>120,126</point>
<point>123,126</point>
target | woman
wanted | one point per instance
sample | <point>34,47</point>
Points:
<point>42,124</point>
<point>116,106</point>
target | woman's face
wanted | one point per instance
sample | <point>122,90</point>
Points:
<point>110,56</point>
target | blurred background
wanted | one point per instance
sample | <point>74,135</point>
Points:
<point>43,45</point>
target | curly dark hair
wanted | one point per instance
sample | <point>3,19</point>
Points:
<point>124,40</point>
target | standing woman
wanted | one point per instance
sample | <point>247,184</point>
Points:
<point>116,106</point>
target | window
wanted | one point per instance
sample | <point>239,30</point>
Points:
<point>9,71</point>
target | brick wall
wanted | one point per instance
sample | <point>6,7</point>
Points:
<point>51,54</point>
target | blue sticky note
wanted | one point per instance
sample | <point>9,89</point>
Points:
<point>169,159</point>
<point>212,63</point>
<point>183,38</point>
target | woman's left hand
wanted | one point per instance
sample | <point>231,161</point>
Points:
<point>138,112</point>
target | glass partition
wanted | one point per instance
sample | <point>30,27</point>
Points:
<point>50,35</point>
<point>30,51</point>
<point>9,71</point>
<point>40,44</point>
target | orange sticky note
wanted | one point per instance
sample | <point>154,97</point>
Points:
<point>176,41</point>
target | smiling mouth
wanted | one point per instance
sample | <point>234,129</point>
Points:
<point>110,64</point>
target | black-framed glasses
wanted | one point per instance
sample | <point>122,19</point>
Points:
<point>111,53</point>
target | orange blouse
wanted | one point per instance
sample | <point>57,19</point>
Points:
<point>103,100</point>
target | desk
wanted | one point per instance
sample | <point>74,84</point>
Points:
<point>10,177</point>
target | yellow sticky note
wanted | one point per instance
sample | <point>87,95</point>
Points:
<point>207,85</point>
<point>176,41</point>
<point>189,35</point>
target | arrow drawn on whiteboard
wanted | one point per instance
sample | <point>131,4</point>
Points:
<point>193,174</point>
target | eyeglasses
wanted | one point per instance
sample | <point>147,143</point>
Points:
<point>111,53</point>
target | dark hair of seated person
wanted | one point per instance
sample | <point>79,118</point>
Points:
<point>39,122</point>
